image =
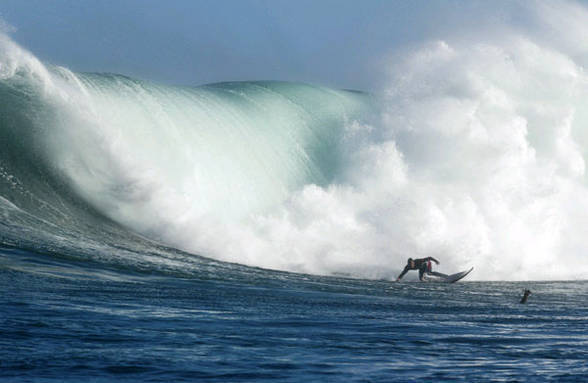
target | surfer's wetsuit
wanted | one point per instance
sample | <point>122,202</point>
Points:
<point>423,265</point>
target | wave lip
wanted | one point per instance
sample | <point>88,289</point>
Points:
<point>90,155</point>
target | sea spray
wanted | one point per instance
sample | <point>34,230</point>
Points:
<point>478,159</point>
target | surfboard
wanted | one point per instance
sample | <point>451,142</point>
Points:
<point>457,276</point>
<point>446,278</point>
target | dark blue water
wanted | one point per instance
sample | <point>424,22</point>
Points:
<point>67,320</point>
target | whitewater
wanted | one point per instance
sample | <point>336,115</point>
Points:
<point>474,153</point>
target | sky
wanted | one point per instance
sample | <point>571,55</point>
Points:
<point>339,43</point>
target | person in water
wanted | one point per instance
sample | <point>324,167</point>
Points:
<point>423,265</point>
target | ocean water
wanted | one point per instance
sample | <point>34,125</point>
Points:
<point>251,231</point>
<point>64,320</point>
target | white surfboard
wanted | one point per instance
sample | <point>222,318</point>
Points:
<point>447,278</point>
<point>457,276</point>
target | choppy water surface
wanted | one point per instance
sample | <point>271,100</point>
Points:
<point>62,321</point>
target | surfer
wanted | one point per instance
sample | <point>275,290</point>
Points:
<point>526,294</point>
<point>423,265</point>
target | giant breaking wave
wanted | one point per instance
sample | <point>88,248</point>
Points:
<point>474,153</point>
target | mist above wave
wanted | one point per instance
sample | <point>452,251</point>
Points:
<point>478,159</point>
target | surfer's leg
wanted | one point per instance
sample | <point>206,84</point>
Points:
<point>422,271</point>
<point>431,272</point>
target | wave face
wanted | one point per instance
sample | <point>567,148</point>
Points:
<point>178,165</point>
<point>474,153</point>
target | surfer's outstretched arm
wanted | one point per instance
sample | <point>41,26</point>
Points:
<point>406,268</point>
<point>432,259</point>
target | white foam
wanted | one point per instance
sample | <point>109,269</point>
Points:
<point>479,159</point>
